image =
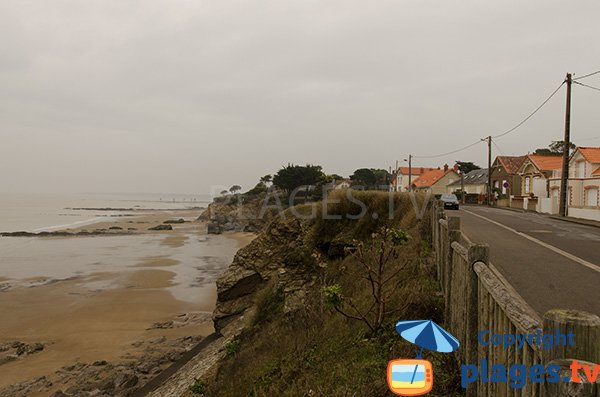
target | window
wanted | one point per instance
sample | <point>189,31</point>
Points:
<point>527,184</point>
<point>591,197</point>
<point>580,169</point>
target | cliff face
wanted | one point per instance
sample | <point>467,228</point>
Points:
<point>279,256</point>
<point>245,213</point>
<point>278,335</point>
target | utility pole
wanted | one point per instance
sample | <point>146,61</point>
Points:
<point>489,185</point>
<point>462,187</point>
<point>564,179</point>
<point>410,172</point>
<point>396,176</point>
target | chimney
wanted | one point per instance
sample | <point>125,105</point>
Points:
<point>422,170</point>
<point>445,167</point>
<point>455,167</point>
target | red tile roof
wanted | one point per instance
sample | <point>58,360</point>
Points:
<point>591,154</point>
<point>429,178</point>
<point>597,172</point>
<point>546,163</point>
<point>414,170</point>
<point>511,163</point>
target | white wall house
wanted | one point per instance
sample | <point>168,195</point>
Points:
<point>406,175</point>
<point>584,184</point>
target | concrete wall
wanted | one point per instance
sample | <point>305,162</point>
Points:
<point>469,189</point>
<point>585,213</point>
<point>548,205</point>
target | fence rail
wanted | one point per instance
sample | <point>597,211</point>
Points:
<point>478,299</point>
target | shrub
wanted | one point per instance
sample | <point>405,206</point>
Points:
<point>198,387</point>
<point>232,347</point>
<point>269,304</point>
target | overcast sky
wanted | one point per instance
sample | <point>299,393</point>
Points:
<point>174,96</point>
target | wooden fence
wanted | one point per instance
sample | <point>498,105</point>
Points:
<point>477,298</point>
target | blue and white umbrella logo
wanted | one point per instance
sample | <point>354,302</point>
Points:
<point>414,377</point>
<point>427,335</point>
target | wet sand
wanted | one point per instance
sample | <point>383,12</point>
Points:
<point>107,315</point>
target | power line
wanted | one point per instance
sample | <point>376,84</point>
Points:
<point>508,131</point>
<point>531,115</point>
<point>585,85</point>
<point>448,153</point>
<point>586,75</point>
<point>497,147</point>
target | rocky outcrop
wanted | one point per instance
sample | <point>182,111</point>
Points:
<point>246,214</point>
<point>103,378</point>
<point>113,231</point>
<point>278,255</point>
<point>213,228</point>
<point>161,227</point>
<point>16,350</point>
<point>174,221</point>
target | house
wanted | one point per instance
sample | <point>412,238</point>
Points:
<point>584,183</point>
<point>400,182</point>
<point>474,182</point>
<point>436,180</point>
<point>341,184</point>
<point>536,173</point>
<point>505,178</point>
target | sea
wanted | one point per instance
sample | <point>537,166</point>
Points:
<point>48,212</point>
<point>28,261</point>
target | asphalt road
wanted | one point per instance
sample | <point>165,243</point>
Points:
<point>549,262</point>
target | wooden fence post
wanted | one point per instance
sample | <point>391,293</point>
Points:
<point>571,389</point>
<point>453,235</point>
<point>476,253</point>
<point>585,330</point>
<point>439,214</point>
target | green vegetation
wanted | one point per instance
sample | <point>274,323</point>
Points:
<point>370,178</point>
<point>232,347</point>
<point>467,166</point>
<point>292,176</point>
<point>269,305</point>
<point>198,387</point>
<point>375,257</point>
<point>315,351</point>
<point>556,148</point>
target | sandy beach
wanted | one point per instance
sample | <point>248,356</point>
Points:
<point>107,298</point>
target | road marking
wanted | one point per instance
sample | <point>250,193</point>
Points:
<point>543,244</point>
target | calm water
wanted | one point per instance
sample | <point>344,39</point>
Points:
<point>23,261</point>
<point>36,213</point>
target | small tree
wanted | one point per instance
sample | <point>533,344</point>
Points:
<point>467,166</point>
<point>224,192</point>
<point>374,259</point>
<point>293,176</point>
<point>266,179</point>
<point>556,148</point>
<point>235,188</point>
<point>363,177</point>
